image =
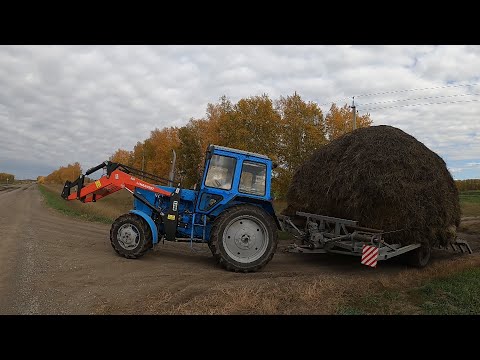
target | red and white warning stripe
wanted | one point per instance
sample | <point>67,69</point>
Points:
<point>369,255</point>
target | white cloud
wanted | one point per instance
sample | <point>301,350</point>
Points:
<point>61,104</point>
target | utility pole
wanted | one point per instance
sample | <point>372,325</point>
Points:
<point>172,169</point>
<point>143,157</point>
<point>354,113</point>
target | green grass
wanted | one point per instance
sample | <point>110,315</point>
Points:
<point>55,201</point>
<point>457,294</point>
<point>470,202</point>
<point>470,196</point>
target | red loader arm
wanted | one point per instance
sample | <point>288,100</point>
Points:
<point>114,180</point>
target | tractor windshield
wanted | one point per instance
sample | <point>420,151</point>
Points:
<point>220,172</point>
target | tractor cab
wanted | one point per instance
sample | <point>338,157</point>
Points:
<point>232,175</point>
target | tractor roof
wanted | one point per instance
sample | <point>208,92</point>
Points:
<point>239,151</point>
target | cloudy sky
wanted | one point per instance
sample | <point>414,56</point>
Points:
<point>61,104</point>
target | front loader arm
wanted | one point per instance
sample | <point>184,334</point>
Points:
<point>114,180</point>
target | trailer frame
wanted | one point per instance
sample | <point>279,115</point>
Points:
<point>326,234</point>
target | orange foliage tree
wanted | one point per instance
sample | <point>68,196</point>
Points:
<point>469,184</point>
<point>7,178</point>
<point>122,156</point>
<point>301,132</point>
<point>64,173</point>
<point>339,121</point>
<point>287,130</point>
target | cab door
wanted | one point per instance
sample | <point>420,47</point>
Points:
<point>218,182</point>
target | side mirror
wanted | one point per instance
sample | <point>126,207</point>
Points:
<point>274,165</point>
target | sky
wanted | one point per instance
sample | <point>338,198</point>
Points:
<point>63,104</point>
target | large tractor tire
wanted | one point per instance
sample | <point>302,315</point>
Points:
<point>243,238</point>
<point>130,236</point>
<point>419,257</point>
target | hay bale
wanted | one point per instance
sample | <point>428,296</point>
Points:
<point>383,178</point>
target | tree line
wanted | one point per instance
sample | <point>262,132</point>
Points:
<point>288,130</point>
<point>469,184</point>
<point>5,177</point>
<point>64,173</point>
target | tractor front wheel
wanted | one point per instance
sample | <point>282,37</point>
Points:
<point>130,236</point>
<point>243,238</point>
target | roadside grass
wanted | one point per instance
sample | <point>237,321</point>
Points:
<point>451,287</point>
<point>445,289</point>
<point>104,211</point>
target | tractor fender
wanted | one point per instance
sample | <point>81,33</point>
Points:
<point>266,205</point>
<point>150,223</point>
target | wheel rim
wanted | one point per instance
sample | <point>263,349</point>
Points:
<point>128,236</point>
<point>245,239</point>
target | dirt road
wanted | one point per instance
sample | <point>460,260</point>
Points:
<point>53,264</point>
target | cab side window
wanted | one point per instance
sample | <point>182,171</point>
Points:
<point>253,177</point>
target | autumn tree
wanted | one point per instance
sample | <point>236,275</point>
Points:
<point>153,155</point>
<point>301,132</point>
<point>210,128</point>
<point>137,155</point>
<point>252,124</point>
<point>468,184</point>
<point>64,173</point>
<point>287,130</point>
<point>5,177</point>
<point>123,157</point>
<point>190,154</point>
<point>339,121</point>
<point>158,151</point>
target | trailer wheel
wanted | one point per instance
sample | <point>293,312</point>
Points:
<point>130,236</point>
<point>243,238</point>
<point>420,256</point>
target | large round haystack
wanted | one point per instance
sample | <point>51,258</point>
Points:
<point>383,178</point>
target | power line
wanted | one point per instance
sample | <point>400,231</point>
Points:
<point>421,98</point>
<point>331,102</point>
<point>436,103</point>
<point>418,89</point>
<point>401,91</point>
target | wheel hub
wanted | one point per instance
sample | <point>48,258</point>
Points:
<point>245,239</point>
<point>128,236</point>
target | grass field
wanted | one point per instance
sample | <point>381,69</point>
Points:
<point>454,294</point>
<point>104,211</point>
<point>470,202</point>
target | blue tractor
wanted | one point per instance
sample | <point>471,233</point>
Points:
<point>231,210</point>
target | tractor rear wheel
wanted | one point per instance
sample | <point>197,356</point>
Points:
<point>243,238</point>
<point>130,236</point>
